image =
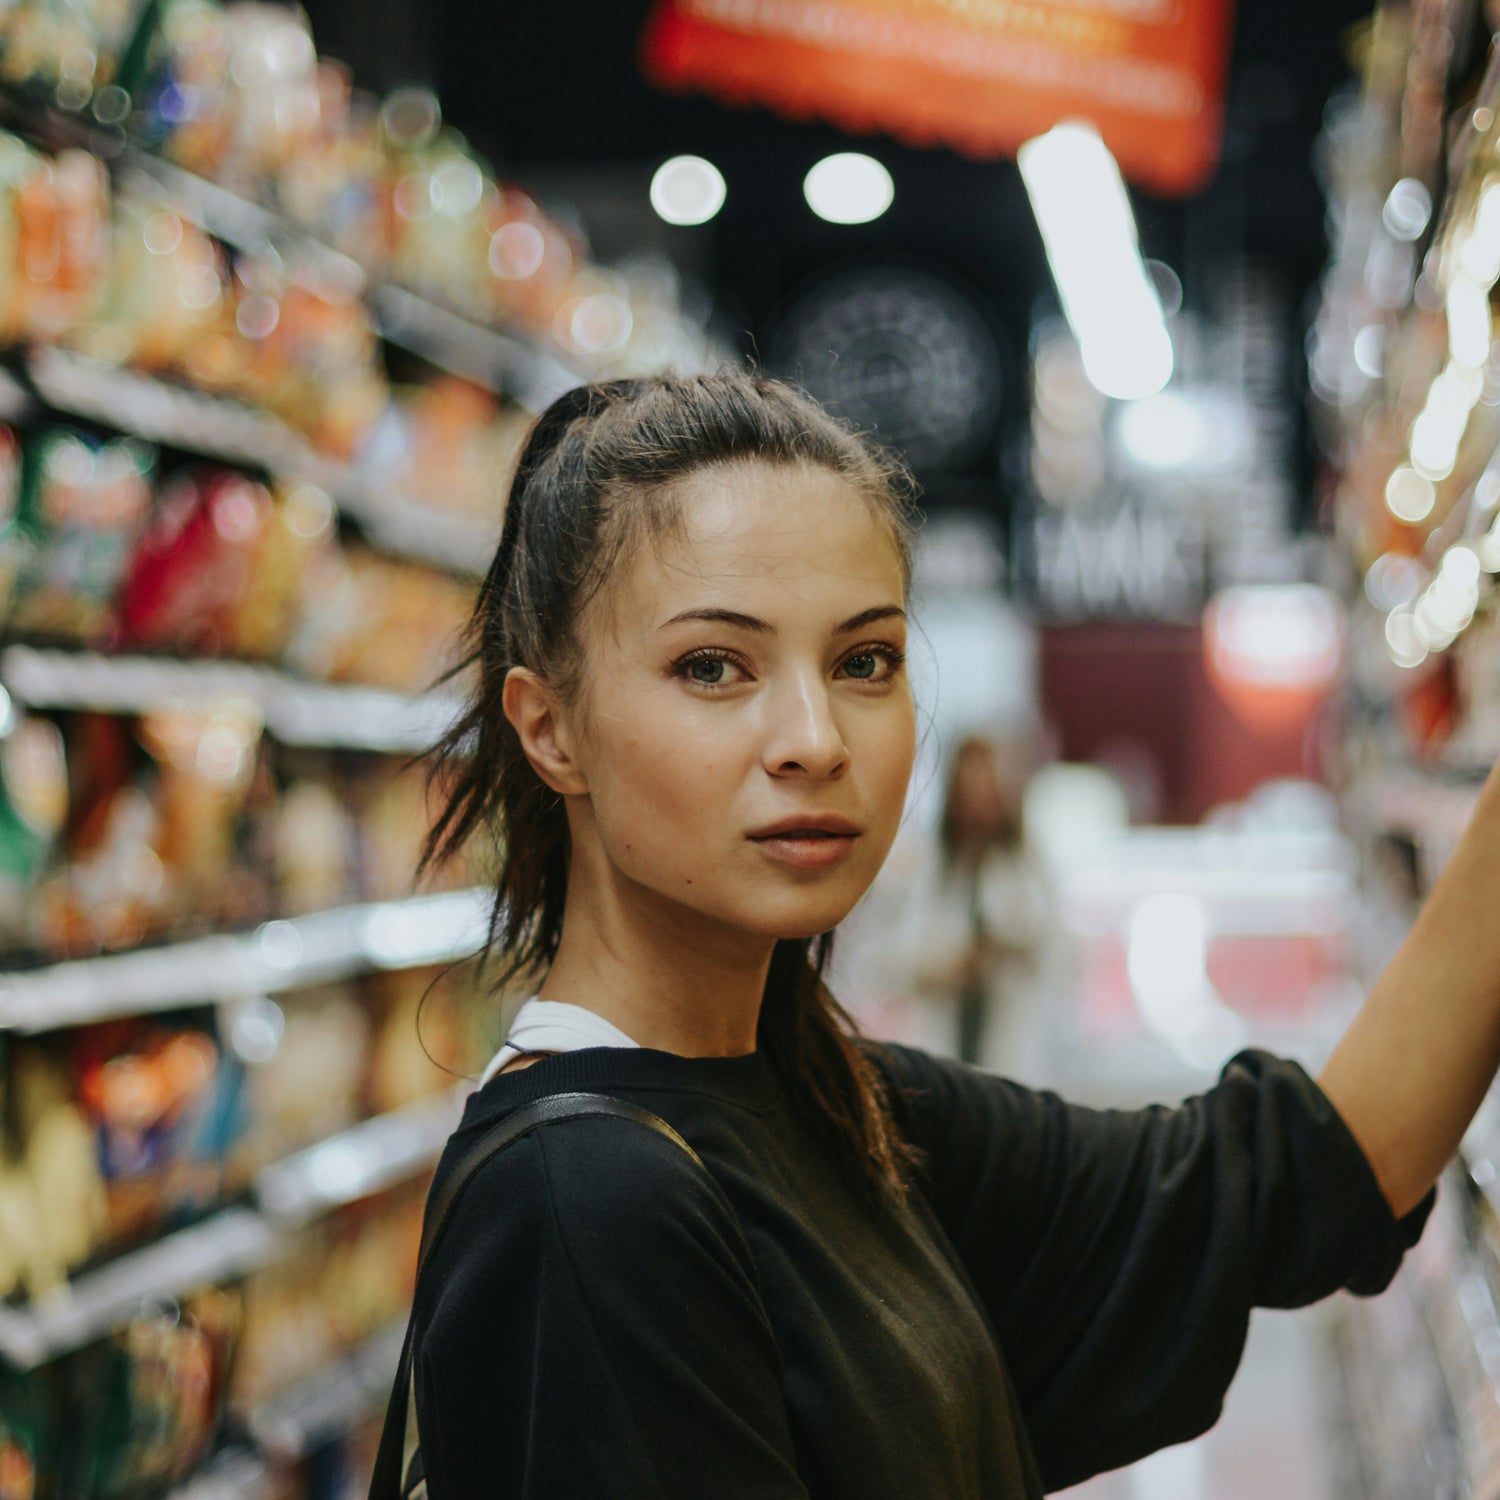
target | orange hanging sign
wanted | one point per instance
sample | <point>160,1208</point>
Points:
<point>981,76</point>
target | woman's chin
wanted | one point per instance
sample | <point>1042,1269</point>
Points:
<point>809,924</point>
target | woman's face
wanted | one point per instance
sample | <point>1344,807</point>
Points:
<point>745,679</point>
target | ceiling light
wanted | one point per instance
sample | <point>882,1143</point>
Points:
<point>849,188</point>
<point>687,190</point>
<point>1088,230</point>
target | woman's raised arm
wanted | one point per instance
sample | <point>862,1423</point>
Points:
<point>1416,1061</point>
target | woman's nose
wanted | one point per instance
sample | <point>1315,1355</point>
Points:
<point>804,735</point>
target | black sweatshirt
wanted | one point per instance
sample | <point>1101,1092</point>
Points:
<point>1067,1289</point>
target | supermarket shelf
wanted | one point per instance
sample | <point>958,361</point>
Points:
<point>508,363</point>
<point>534,376</point>
<point>329,715</point>
<point>330,1401</point>
<point>232,1243</point>
<point>367,1158</point>
<point>229,431</point>
<point>279,956</point>
<point>238,221</point>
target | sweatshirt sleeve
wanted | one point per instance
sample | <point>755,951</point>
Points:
<point>590,1324</point>
<point>1119,1253</point>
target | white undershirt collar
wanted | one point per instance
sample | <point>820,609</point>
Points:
<point>554,1026</point>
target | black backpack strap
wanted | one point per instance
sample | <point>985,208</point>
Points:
<point>388,1482</point>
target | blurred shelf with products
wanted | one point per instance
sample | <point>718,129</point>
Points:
<point>1406,392</point>
<point>268,347</point>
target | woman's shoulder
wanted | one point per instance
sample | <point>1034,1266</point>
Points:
<point>588,1175</point>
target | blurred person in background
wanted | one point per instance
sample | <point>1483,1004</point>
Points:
<point>962,924</point>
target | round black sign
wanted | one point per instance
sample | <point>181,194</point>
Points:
<point>899,351</point>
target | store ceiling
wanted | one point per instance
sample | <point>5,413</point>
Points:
<point>553,94</point>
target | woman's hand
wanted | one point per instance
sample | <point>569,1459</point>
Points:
<point>1416,1061</point>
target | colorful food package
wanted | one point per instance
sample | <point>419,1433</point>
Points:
<point>205,756</point>
<point>144,1407</point>
<point>451,446</point>
<point>221,567</point>
<point>82,503</point>
<point>28,1432</point>
<point>73,47</point>
<point>54,240</point>
<point>108,889</point>
<point>333,185</point>
<point>422,1039</point>
<point>530,259</point>
<point>152,1094</point>
<point>311,356</point>
<point>57,1159</point>
<point>33,811</point>
<point>166,306</point>
<point>314,848</point>
<point>373,620</point>
<point>229,92</point>
<point>393,812</point>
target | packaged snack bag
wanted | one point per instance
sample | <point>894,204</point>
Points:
<point>82,503</point>
<point>220,568</point>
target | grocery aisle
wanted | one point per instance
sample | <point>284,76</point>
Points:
<point>1207,657</point>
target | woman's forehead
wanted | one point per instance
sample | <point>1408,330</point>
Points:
<point>793,537</point>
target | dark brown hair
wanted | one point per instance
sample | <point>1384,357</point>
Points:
<point>594,478</point>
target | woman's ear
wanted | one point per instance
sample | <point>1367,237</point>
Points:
<point>540,724</point>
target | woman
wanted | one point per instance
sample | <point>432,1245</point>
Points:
<point>959,942</point>
<point>899,1276</point>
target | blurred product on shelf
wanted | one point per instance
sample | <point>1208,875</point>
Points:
<point>157,1099</point>
<point>346,1277</point>
<point>144,1406</point>
<point>221,568</point>
<point>80,504</point>
<point>378,621</point>
<point>447,444</point>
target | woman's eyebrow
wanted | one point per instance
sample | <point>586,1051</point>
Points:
<point>764,627</point>
<point>722,617</point>
<point>870,616</point>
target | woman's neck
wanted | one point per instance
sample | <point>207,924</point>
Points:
<point>668,977</point>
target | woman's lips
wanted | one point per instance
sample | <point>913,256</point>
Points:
<point>809,850</point>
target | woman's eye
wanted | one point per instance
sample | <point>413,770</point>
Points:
<point>710,671</point>
<point>874,665</point>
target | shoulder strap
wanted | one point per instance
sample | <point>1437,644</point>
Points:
<point>387,1481</point>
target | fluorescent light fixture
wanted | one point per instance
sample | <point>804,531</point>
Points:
<point>687,190</point>
<point>1089,234</point>
<point>849,188</point>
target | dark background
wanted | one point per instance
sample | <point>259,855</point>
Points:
<point>551,92</point>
